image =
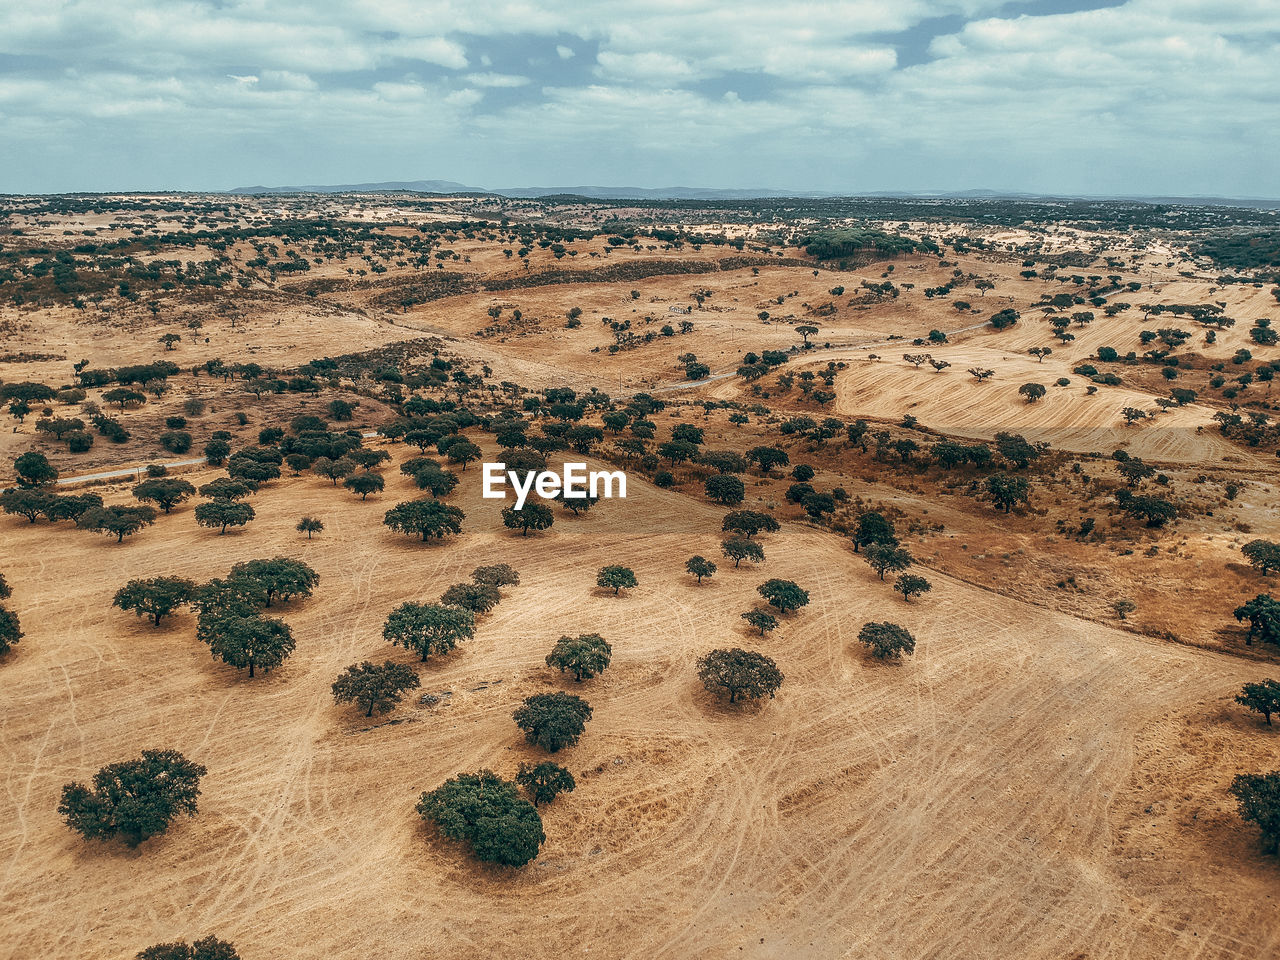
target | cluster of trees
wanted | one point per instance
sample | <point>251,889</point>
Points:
<point>230,615</point>
<point>34,499</point>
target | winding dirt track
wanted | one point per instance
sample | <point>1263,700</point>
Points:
<point>961,804</point>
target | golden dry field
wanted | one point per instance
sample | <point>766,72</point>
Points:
<point>1043,777</point>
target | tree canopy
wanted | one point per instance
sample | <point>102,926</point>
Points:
<point>887,641</point>
<point>532,516</point>
<point>487,812</point>
<point>1262,697</point>
<point>1258,799</point>
<point>375,689</point>
<point>206,948</point>
<point>156,598</point>
<point>117,521</point>
<point>585,655</point>
<point>783,595</point>
<point>553,721</point>
<point>742,674</point>
<point>279,578</point>
<point>164,492</point>
<point>428,628</point>
<point>544,781</point>
<point>220,513</point>
<point>427,517</point>
<point>700,567</point>
<point>616,577</point>
<point>133,799</point>
<point>247,641</point>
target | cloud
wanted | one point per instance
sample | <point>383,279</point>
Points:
<point>1139,97</point>
<point>496,80</point>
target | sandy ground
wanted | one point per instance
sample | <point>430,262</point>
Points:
<point>971,801</point>
<point>1031,784</point>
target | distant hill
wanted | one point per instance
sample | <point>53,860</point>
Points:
<point>711,193</point>
<point>392,186</point>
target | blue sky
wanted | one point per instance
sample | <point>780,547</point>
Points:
<point>1058,96</point>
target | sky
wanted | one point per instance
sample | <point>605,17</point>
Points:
<point>1078,97</point>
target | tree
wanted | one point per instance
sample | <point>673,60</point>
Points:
<point>1156,511</point>
<point>616,577</point>
<point>5,590</point>
<point>873,528</point>
<point>1263,555</point>
<point>496,575</point>
<point>309,525</point>
<point>887,641</point>
<point>156,598</point>
<point>34,470</point>
<point>220,514</point>
<point>1258,798</point>
<point>1263,614</point>
<point>1133,415</point>
<point>365,484</point>
<point>428,628</point>
<point>1004,318</point>
<point>488,812</point>
<point>477,597</point>
<point>251,641</point>
<point>375,688</point>
<point>225,488</point>
<point>532,516</point>
<point>742,674</point>
<point>783,595</point>
<point>1040,353</point>
<point>1007,491</point>
<point>207,948</point>
<point>280,578</point>
<point>433,478</point>
<point>749,523</point>
<point>677,451</point>
<point>10,630</point>
<point>553,721</point>
<point>1263,698</point>
<point>133,799</point>
<point>216,452</point>
<point>545,781</point>
<point>766,458</point>
<point>1017,450</point>
<point>463,452</point>
<point>885,558</point>
<point>725,488</point>
<point>427,517</point>
<point>700,567</point>
<point>164,492</point>
<point>910,585</point>
<point>124,397</point>
<point>118,521</point>
<point>585,655</point>
<point>1032,392</point>
<point>26,503</point>
<point>761,620</point>
<point>981,373</point>
<point>737,550</point>
<point>335,470</point>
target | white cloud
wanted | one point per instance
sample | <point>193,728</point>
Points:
<point>496,80</point>
<point>1145,94</point>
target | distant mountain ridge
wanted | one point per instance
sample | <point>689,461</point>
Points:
<point>446,187</point>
